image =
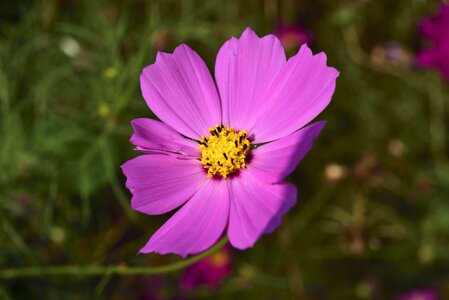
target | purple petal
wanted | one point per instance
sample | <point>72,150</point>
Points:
<point>197,225</point>
<point>256,208</point>
<point>301,90</point>
<point>179,89</point>
<point>152,136</point>
<point>427,58</point>
<point>276,221</point>
<point>160,183</point>
<point>244,68</point>
<point>272,162</point>
<point>429,28</point>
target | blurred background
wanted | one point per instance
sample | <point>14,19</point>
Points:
<point>372,221</point>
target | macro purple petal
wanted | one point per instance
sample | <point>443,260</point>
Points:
<point>301,90</point>
<point>160,183</point>
<point>272,162</point>
<point>427,57</point>
<point>197,225</point>
<point>256,208</point>
<point>179,89</point>
<point>151,136</point>
<point>429,28</point>
<point>244,69</point>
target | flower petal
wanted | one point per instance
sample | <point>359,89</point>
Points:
<point>197,225</point>
<point>287,204</point>
<point>272,162</point>
<point>301,90</point>
<point>152,136</point>
<point>160,183</point>
<point>428,57</point>
<point>179,89</point>
<point>430,28</point>
<point>244,68</point>
<point>256,208</point>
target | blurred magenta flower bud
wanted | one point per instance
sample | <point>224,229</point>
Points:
<point>436,30</point>
<point>209,272</point>
<point>292,36</point>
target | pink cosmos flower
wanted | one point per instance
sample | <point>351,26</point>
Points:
<point>223,148</point>
<point>436,29</point>
<point>209,271</point>
<point>292,36</point>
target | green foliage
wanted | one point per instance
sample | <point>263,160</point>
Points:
<point>372,219</point>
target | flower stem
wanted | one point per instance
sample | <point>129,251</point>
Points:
<point>122,270</point>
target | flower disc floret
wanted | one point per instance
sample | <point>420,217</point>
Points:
<point>224,151</point>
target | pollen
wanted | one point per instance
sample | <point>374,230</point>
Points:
<point>224,151</point>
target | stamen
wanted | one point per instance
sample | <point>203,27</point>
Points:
<point>225,151</point>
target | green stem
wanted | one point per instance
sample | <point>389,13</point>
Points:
<point>110,270</point>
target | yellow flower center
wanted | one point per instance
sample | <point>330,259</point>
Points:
<point>225,151</point>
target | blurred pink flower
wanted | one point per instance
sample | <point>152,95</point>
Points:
<point>422,294</point>
<point>209,271</point>
<point>436,29</point>
<point>292,36</point>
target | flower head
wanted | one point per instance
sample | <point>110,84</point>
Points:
<point>222,150</point>
<point>436,29</point>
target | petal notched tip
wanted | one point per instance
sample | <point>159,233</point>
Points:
<point>248,32</point>
<point>305,52</point>
<point>162,57</point>
<point>249,35</point>
<point>125,166</point>
<point>136,126</point>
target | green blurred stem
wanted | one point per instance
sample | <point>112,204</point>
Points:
<point>121,270</point>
